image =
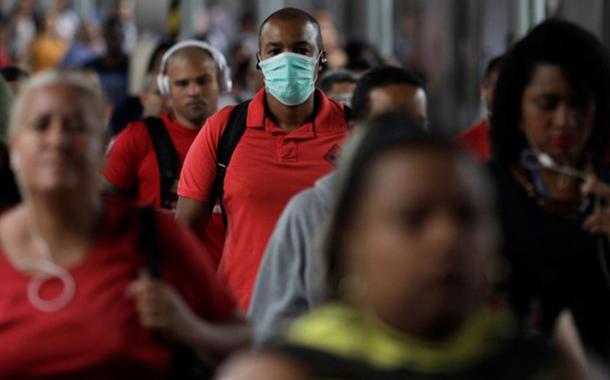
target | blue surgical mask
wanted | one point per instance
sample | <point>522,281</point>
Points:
<point>289,77</point>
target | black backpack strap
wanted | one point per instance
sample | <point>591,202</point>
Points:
<point>236,126</point>
<point>186,364</point>
<point>148,241</point>
<point>167,158</point>
<point>347,113</point>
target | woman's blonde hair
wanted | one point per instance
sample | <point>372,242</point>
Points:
<point>68,78</point>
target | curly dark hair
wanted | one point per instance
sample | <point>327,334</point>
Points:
<point>585,64</point>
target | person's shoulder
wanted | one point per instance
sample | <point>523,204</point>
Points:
<point>474,132</point>
<point>332,113</point>
<point>217,123</point>
<point>303,199</point>
<point>135,133</point>
<point>9,218</point>
<point>222,115</point>
<point>126,153</point>
<point>318,195</point>
<point>307,208</point>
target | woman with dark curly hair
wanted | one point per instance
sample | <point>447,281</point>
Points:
<point>549,130</point>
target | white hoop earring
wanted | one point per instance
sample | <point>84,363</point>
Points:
<point>15,160</point>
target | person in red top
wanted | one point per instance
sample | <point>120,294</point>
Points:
<point>72,304</point>
<point>293,134</point>
<point>192,75</point>
<point>476,138</point>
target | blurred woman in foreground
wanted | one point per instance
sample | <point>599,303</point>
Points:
<point>71,303</point>
<point>410,249</point>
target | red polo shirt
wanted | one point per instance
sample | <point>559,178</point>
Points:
<point>476,140</point>
<point>268,166</point>
<point>98,334</point>
<point>132,163</point>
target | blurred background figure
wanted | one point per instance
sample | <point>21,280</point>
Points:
<point>476,138</point>
<point>112,67</point>
<point>6,58</point>
<point>338,85</point>
<point>362,56</point>
<point>14,76</point>
<point>149,101</point>
<point>333,42</point>
<point>9,193</point>
<point>67,20</point>
<point>124,11</point>
<point>247,79</point>
<point>25,25</point>
<point>48,47</point>
<point>550,112</point>
<point>87,45</point>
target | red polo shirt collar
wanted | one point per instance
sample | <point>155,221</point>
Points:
<point>324,120</point>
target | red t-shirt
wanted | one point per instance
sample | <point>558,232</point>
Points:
<point>268,166</point>
<point>98,335</point>
<point>132,163</point>
<point>476,140</point>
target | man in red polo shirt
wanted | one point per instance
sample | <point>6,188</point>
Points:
<point>293,133</point>
<point>476,138</point>
<point>192,75</point>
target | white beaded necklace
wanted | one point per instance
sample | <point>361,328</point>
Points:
<point>46,269</point>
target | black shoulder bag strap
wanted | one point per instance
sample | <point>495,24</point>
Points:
<point>167,158</point>
<point>236,126</point>
<point>347,113</point>
<point>148,241</point>
<point>186,364</point>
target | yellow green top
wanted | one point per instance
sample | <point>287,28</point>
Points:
<point>355,334</point>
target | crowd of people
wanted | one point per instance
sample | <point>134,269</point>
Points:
<point>306,224</point>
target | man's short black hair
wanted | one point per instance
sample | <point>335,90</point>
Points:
<point>294,14</point>
<point>330,78</point>
<point>379,77</point>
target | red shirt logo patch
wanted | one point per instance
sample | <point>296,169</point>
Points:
<point>333,154</point>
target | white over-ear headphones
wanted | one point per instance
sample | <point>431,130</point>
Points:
<point>224,72</point>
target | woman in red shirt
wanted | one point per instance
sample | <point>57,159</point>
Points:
<point>75,301</point>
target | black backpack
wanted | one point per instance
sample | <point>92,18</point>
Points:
<point>167,158</point>
<point>236,126</point>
